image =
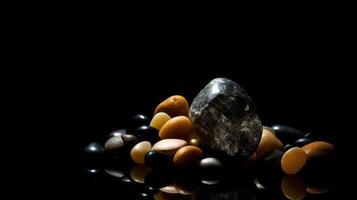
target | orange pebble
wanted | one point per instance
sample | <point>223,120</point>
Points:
<point>174,106</point>
<point>293,160</point>
<point>178,127</point>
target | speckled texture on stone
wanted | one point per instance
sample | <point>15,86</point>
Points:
<point>225,118</point>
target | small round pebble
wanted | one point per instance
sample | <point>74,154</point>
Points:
<point>139,151</point>
<point>302,142</point>
<point>287,147</point>
<point>268,142</point>
<point>119,132</point>
<point>178,127</point>
<point>318,148</point>
<point>287,134</point>
<point>187,156</point>
<point>129,140</point>
<point>139,120</point>
<point>169,146</point>
<point>157,159</point>
<point>159,120</point>
<point>210,163</point>
<point>293,160</point>
<point>174,106</point>
<point>93,149</point>
<point>147,133</point>
<point>114,144</point>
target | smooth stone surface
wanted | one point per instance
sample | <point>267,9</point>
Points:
<point>287,134</point>
<point>157,159</point>
<point>139,120</point>
<point>187,156</point>
<point>268,142</point>
<point>318,148</point>
<point>293,160</point>
<point>119,132</point>
<point>287,147</point>
<point>139,172</point>
<point>114,144</point>
<point>139,151</point>
<point>129,140</point>
<point>178,127</point>
<point>195,142</point>
<point>147,133</point>
<point>272,160</point>
<point>93,150</point>
<point>169,146</point>
<point>225,119</point>
<point>159,120</point>
<point>174,106</point>
<point>210,164</point>
<point>302,142</point>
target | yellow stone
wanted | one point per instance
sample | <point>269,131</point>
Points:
<point>159,120</point>
<point>139,151</point>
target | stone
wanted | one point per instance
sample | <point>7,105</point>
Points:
<point>187,156</point>
<point>169,146</point>
<point>225,118</point>
<point>93,150</point>
<point>157,159</point>
<point>268,142</point>
<point>119,132</point>
<point>114,144</point>
<point>210,163</point>
<point>147,133</point>
<point>129,140</point>
<point>318,148</point>
<point>159,120</point>
<point>287,147</point>
<point>302,142</point>
<point>174,106</point>
<point>139,151</point>
<point>287,134</point>
<point>178,127</point>
<point>139,120</point>
<point>293,160</point>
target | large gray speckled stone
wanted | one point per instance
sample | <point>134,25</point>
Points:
<point>225,119</point>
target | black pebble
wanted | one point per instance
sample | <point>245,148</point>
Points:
<point>93,151</point>
<point>147,133</point>
<point>156,159</point>
<point>302,142</point>
<point>287,147</point>
<point>287,134</point>
<point>139,120</point>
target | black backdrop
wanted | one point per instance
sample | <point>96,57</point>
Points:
<point>88,70</point>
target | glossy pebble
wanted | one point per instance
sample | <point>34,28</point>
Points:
<point>157,159</point>
<point>119,132</point>
<point>139,151</point>
<point>174,106</point>
<point>159,120</point>
<point>293,160</point>
<point>187,156</point>
<point>114,144</point>
<point>293,187</point>
<point>302,142</point>
<point>318,148</point>
<point>287,134</point>
<point>178,127</point>
<point>169,146</point>
<point>268,142</point>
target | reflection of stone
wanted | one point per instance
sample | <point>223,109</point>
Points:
<point>225,119</point>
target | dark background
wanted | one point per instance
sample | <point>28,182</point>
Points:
<point>83,71</point>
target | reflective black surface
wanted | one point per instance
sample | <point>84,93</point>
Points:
<point>80,74</point>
